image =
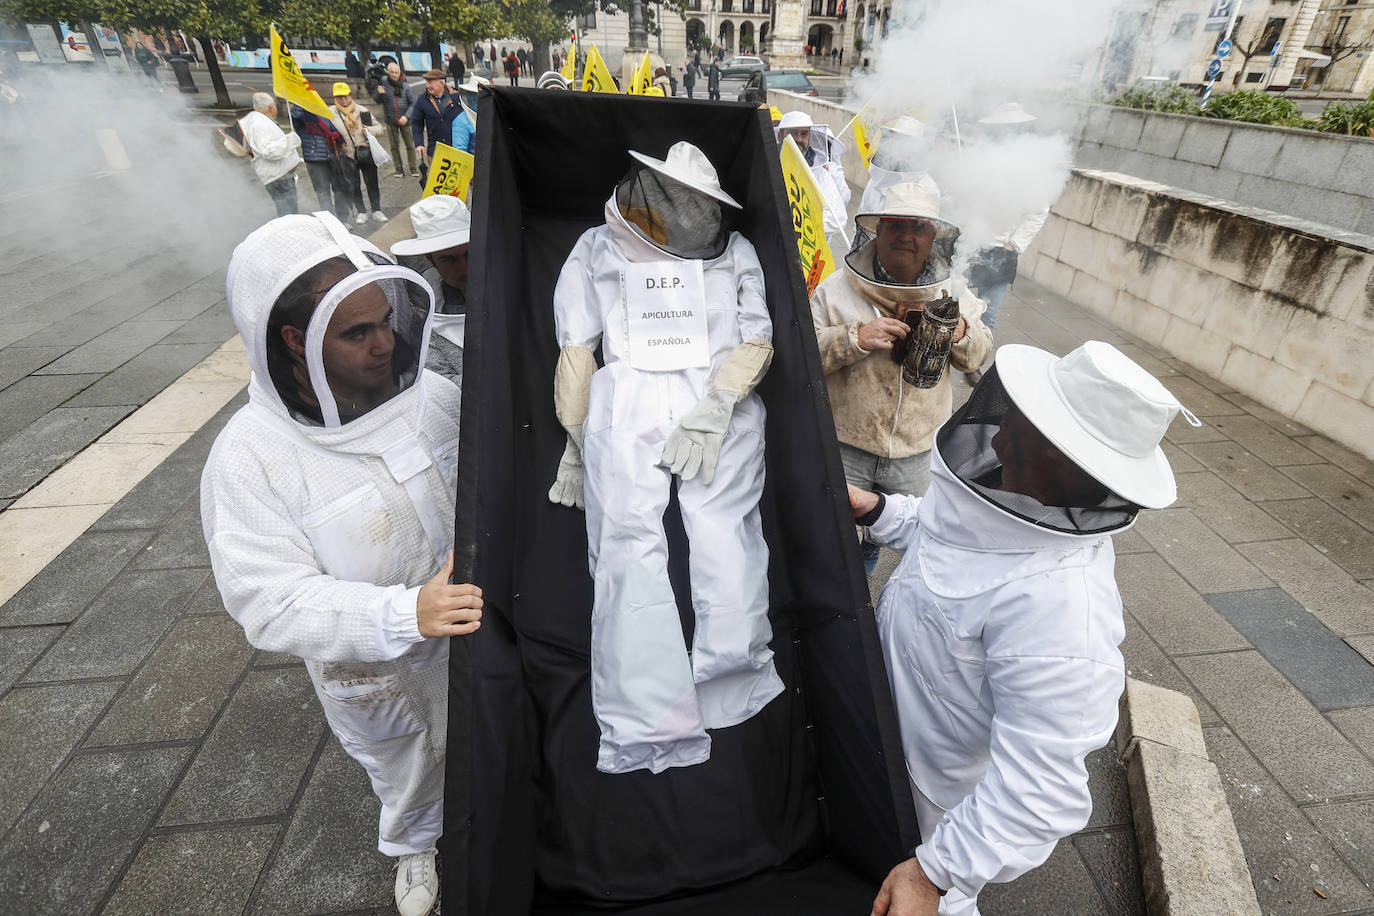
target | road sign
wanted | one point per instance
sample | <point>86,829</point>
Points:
<point>1224,48</point>
<point>1213,69</point>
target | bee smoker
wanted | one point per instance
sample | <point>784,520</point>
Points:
<point>924,354</point>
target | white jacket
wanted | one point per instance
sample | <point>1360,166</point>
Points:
<point>275,151</point>
<point>1001,643</point>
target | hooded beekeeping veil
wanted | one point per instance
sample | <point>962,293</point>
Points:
<point>302,271</point>
<point>675,203</point>
<point>909,201</point>
<point>905,145</point>
<point>1081,432</point>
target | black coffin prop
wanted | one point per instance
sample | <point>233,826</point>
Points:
<point>801,809</point>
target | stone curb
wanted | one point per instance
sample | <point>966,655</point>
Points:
<point>1191,860</point>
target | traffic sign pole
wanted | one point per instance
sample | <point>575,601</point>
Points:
<point>1223,48</point>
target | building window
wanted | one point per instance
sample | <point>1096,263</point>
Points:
<point>694,5</point>
<point>727,6</point>
<point>767,6</point>
<point>1254,77</point>
<point>1273,30</point>
<point>830,7</point>
<point>589,20</point>
<point>748,6</point>
<point>816,7</point>
<point>1341,25</point>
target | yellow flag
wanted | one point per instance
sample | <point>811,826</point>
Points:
<point>595,76</point>
<point>643,79</point>
<point>654,90</point>
<point>866,145</point>
<point>569,69</point>
<point>450,172</point>
<point>290,83</point>
<point>808,209</point>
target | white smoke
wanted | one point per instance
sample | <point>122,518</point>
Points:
<point>951,63</point>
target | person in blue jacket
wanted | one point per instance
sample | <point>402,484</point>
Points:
<point>321,147</point>
<point>465,125</point>
<point>432,116</point>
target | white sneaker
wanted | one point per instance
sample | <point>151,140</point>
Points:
<point>417,883</point>
<point>360,218</point>
<point>379,216</point>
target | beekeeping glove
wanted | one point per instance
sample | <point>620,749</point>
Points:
<point>694,447</point>
<point>572,383</point>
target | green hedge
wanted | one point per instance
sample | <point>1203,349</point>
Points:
<point>1254,107</point>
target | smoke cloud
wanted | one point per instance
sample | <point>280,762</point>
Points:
<point>951,63</point>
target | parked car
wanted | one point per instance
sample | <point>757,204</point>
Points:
<point>737,67</point>
<point>756,90</point>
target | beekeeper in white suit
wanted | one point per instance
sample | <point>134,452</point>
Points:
<point>1002,624</point>
<point>905,148</point>
<point>676,302</point>
<point>327,503</point>
<point>822,152</point>
<point>443,229</point>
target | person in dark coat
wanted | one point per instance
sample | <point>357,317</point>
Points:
<point>322,149</point>
<point>354,68</point>
<point>713,82</point>
<point>394,96</point>
<point>456,67</point>
<point>521,57</point>
<point>431,117</point>
<point>689,77</point>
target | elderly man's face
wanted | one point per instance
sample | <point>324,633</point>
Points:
<point>903,245</point>
<point>434,87</point>
<point>393,71</point>
<point>452,264</point>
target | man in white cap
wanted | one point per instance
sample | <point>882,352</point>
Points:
<point>327,503</point>
<point>899,262</point>
<point>675,300</point>
<point>443,228</point>
<point>822,152</point>
<point>1001,626</point>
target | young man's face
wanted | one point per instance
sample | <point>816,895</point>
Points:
<point>452,264</point>
<point>903,245</point>
<point>357,350</point>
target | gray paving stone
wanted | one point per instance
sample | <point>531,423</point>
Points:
<point>1268,444</point>
<point>1179,461</point>
<point>1281,846</point>
<point>262,659</point>
<point>1112,860</point>
<point>1350,828</point>
<point>1170,609</point>
<point>1225,511</point>
<point>139,379</point>
<point>33,396</point>
<point>14,331</point>
<point>1303,751</point>
<point>1356,465</point>
<point>252,762</point>
<point>1244,471</point>
<point>112,349</point>
<point>121,626</point>
<point>19,646</point>
<point>1145,661</point>
<point>188,303</point>
<point>1207,562</point>
<point>1323,588</point>
<point>1363,645</point>
<point>1338,488</point>
<point>1130,541</point>
<point>17,362</point>
<point>170,876</point>
<point>1063,878</point>
<point>330,859</point>
<point>1181,432</point>
<point>1357,725</point>
<point>41,725</point>
<point>1291,428</point>
<point>66,852</point>
<point>48,442</point>
<point>1198,391</point>
<point>180,543</point>
<point>214,326</point>
<point>1107,782</point>
<point>177,692</point>
<point>1329,673</point>
<point>1346,542</point>
<point>62,590</point>
<point>206,601</point>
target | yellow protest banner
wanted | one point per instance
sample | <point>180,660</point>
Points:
<point>808,209</point>
<point>569,68</point>
<point>595,76</point>
<point>290,83</point>
<point>643,79</point>
<point>865,136</point>
<point>450,172</point>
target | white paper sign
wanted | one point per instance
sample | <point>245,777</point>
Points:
<point>665,314</point>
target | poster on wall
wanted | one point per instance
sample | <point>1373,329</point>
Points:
<point>74,44</point>
<point>111,47</point>
<point>45,43</point>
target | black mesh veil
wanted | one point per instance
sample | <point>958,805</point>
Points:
<point>965,444</point>
<point>861,252</point>
<point>679,219</point>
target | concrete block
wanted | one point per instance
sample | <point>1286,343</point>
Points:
<point>1160,135</point>
<point>1334,353</point>
<point>1345,419</point>
<point>1082,247</point>
<point>1265,380</point>
<point>1356,173</point>
<point>1191,860</point>
<point>1203,141</point>
<point>1184,291</point>
<point>1259,190</point>
<point>1051,237</point>
<point>1120,211</point>
<point>1252,150</point>
<point>1146,321</point>
<point>1325,207</point>
<point>1361,312</point>
<point>1192,344</point>
<point>1091,293</point>
<point>1251,319</point>
<point>1310,158</point>
<point>1159,715</point>
<point>1079,199</point>
<point>1124,126</point>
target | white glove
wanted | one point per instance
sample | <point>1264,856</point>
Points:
<point>695,445</point>
<point>567,483</point>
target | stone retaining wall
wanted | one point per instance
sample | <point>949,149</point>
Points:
<point>1277,307</point>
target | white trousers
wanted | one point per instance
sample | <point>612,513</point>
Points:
<point>653,703</point>
<point>392,717</point>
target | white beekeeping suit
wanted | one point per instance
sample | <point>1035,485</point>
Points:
<point>646,416</point>
<point>823,152</point>
<point>323,521</point>
<point>903,157</point>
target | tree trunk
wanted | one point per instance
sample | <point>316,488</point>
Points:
<point>222,99</point>
<point>542,61</point>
